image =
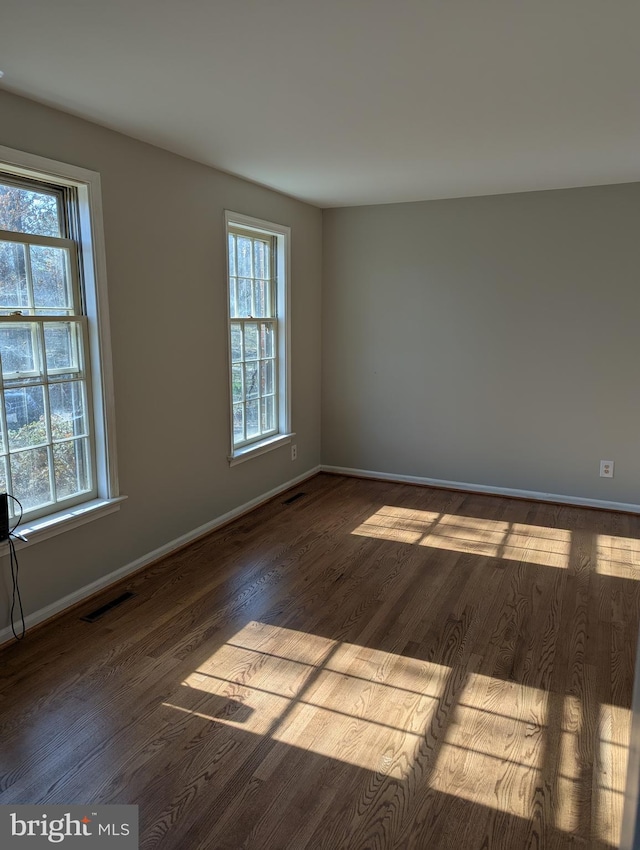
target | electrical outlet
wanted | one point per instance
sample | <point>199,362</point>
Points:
<point>606,469</point>
<point>294,452</point>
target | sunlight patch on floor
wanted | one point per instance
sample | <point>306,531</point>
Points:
<point>514,541</point>
<point>363,706</point>
<point>506,746</point>
<point>567,814</point>
<point>618,556</point>
<point>494,748</point>
<point>614,728</point>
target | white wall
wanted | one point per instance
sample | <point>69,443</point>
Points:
<point>165,244</point>
<point>490,341</point>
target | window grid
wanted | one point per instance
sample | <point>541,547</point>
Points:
<point>254,380</point>
<point>47,453</point>
<point>253,336</point>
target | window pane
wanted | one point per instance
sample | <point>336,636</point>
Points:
<point>31,479</point>
<point>261,260</point>
<point>25,416</point>
<point>268,414</point>
<point>253,418</point>
<point>232,254</point>
<point>245,264</point>
<point>244,298</point>
<point>13,277</point>
<point>267,335</point>
<point>266,387</point>
<point>238,423</point>
<point>269,305</point>
<point>233,299</point>
<point>51,279</point>
<point>251,341</point>
<point>66,405</point>
<point>251,386</point>
<point>4,480</point>
<point>261,300</point>
<point>71,467</point>
<point>238,393</point>
<point>236,343</point>
<point>61,344</point>
<point>17,349</point>
<point>29,211</point>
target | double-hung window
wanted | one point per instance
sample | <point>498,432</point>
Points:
<point>50,346</point>
<point>257,255</point>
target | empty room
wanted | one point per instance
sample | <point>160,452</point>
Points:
<point>319,455</point>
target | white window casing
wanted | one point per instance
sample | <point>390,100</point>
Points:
<point>89,316</point>
<point>258,310</point>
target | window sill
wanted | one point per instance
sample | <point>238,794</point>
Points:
<point>255,449</point>
<point>49,526</point>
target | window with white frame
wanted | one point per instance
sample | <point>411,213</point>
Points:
<point>257,254</point>
<point>56,443</point>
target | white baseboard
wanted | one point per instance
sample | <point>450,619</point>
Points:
<point>88,590</point>
<point>576,501</point>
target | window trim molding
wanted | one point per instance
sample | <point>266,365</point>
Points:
<point>259,448</point>
<point>283,314</point>
<point>94,269</point>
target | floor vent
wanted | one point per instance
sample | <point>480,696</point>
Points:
<point>95,615</point>
<point>293,498</point>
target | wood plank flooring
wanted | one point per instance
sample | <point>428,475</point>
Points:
<point>373,665</point>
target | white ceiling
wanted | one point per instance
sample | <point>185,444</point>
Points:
<point>344,102</point>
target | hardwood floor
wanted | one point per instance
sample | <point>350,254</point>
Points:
<point>373,665</point>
